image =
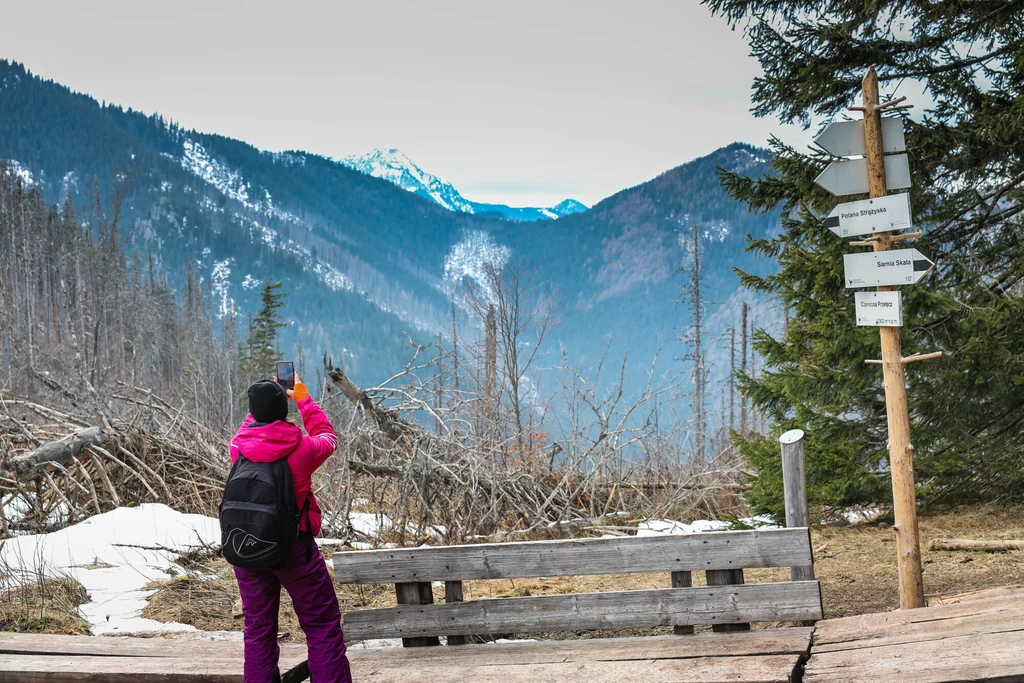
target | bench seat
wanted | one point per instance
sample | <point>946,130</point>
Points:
<point>761,655</point>
<point>44,658</point>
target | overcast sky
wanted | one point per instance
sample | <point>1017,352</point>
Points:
<point>524,102</point>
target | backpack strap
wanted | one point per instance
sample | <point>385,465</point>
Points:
<point>309,527</point>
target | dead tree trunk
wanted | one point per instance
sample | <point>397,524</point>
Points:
<point>743,367</point>
<point>59,451</point>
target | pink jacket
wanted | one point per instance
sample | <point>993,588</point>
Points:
<point>270,442</point>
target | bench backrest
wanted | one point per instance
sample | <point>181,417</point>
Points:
<point>722,554</point>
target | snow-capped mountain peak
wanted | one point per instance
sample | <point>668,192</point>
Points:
<point>394,166</point>
<point>568,207</point>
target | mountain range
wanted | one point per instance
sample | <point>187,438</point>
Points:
<point>367,263</point>
<point>394,166</point>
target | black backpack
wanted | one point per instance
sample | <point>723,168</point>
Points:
<point>259,517</point>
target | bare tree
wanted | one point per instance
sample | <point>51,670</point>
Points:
<point>693,295</point>
<point>523,312</point>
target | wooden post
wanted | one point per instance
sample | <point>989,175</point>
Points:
<point>418,593</point>
<point>794,484</point>
<point>682,580</point>
<point>725,577</point>
<point>901,451</point>
<point>453,593</point>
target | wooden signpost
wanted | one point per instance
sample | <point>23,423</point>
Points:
<point>876,174</point>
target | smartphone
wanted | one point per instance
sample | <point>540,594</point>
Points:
<point>286,374</point>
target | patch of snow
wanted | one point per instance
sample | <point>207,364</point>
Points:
<point>22,173</point>
<point>16,509</point>
<point>220,285</point>
<point>660,527</point>
<point>862,515</point>
<point>250,282</point>
<point>369,524</point>
<point>379,644</point>
<point>197,160</point>
<point>68,182</point>
<point>473,257</point>
<point>113,555</point>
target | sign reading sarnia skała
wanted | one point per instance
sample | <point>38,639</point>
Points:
<point>881,268</point>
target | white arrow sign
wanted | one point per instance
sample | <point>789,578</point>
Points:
<point>846,138</point>
<point>851,177</point>
<point>870,215</point>
<point>879,309</point>
<point>881,268</point>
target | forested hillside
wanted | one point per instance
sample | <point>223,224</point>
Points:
<point>365,263</point>
<point>82,320</point>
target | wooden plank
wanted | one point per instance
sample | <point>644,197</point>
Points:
<point>789,601</point>
<point>415,594</point>
<point>453,593</point>
<point>762,669</point>
<point>906,625</point>
<point>87,669</point>
<point>773,641</point>
<point>974,657</point>
<point>980,594</point>
<point>124,646</point>
<point>578,557</point>
<point>682,580</point>
<point>726,577</point>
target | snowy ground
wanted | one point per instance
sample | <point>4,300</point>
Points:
<point>113,555</point>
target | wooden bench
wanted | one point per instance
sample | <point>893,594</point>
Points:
<point>726,603</point>
<point>34,657</point>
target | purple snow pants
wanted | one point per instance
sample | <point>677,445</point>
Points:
<point>306,579</point>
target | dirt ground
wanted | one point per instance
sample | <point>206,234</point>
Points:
<point>856,566</point>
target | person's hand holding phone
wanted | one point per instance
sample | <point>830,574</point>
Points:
<point>298,393</point>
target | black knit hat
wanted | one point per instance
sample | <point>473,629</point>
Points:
<point>267,401</point>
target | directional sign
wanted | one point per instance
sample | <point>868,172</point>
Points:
<point>851,177</point>
<point>846,138</point>
<point>881,268</point>
<point>870,215</point>
<point>879,309</point>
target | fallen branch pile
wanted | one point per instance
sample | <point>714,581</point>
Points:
<point>58,467</point>
<point>460,482</point>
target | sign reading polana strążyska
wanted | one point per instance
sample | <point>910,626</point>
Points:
<point>867,216</point>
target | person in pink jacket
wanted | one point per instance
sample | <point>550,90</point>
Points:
<point>266,436</point>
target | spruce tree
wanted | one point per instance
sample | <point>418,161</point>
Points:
<point>261,348</point>
<point>967,165</point>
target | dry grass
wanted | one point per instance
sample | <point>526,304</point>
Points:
<point>47,606</point>
<point>214,604</point>
<point>856,565</point>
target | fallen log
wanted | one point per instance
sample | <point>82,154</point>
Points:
<point>60,451</point>
<point>387,420</point>
<point>975,545</point>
